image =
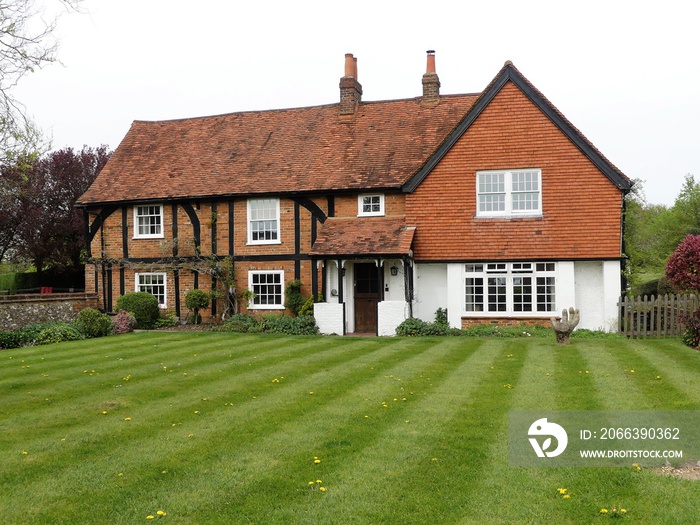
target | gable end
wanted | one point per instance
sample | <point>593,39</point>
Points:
<point>510,73</point>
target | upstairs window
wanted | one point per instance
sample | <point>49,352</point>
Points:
<point>370,205</point>
<point>148,221</point>
<point>263,221</point>
<point>512,193</point>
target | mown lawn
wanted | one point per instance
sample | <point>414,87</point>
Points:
<point>232,429</point>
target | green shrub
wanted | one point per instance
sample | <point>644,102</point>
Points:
<point>242,323</point>
<point>196,300</point>
<point>93,323</point>
<point>166,321</point>
<point>123,323</point>
<point>585,333</point>
<point>284,324</point>
<point>12,339</point>
<point>143,306</point>
<point>292,296</point>
<point>58,333</point>
<point>414,327</point>
<point>308,307</point>
<point>441,317</point>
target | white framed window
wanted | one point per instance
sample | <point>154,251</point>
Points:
<point>522,288</point>
<point>509,193</point>
<point>148,221</point>
<point>155,284</point>
<point>268,287</point>
<point>370,205</point>
<point>263,221</point>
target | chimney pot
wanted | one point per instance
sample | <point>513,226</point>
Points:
<point>350,65</point>
<point>431,61</point>
<point>431,82</point>
<point>350,88</point>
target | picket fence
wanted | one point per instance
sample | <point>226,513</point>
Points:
<point>651,316</point>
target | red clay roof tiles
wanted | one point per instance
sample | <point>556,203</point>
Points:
<point>301,150</point>
<point>375,236</point>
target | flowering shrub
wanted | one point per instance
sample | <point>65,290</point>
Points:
<point>123,323</point>
<point>691,336</point>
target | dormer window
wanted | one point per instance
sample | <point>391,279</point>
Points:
<point>509,193</point>
<point>370,205</point>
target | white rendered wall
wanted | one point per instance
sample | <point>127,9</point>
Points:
<point>390,314</point>
<point>597,293</point>
<point>329,318</point>
<point>430,290</point>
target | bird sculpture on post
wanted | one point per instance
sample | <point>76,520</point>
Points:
<point>566,325</point>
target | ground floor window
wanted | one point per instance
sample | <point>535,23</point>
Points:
<point>510,288</point>
<point>268,287</point>
<point>153,283</point>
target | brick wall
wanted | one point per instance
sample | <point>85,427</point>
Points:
<point>581,207</point>
<point>212,217</point>
<point>18,311</point>
<point>468,322</point>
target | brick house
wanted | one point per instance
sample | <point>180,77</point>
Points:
<point>491,205</point>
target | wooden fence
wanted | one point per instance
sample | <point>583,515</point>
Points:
<point>651,316</point>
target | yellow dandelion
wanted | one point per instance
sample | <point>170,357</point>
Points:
<point>319,481</point>
<point>104,412</point>
<point>322,489</point>
<point>632,371</point>
<point>120,474</point>
<point>161,513</point>
<point>311,482</point>
<point>150,517</point>
<point>566,496</point>
<point>562,490</point>
<point>623,511</point>
<point>317,461</point>
<point>603,511</point>
<point>24,453</point>
<point>127,419</point>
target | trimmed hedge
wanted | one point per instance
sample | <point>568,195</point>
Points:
<point>143,306</point>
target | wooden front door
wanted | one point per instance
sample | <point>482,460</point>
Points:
<point>366,296</point>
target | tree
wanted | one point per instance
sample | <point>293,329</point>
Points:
<point>26,43</point>
<point>683,268</point>
<point>652,232</point>
<point>39,194</point>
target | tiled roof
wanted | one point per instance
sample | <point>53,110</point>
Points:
<point>299,150</point>
<point>375,236</point>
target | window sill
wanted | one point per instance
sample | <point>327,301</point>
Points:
<point>266,307</point>
<point>509,217</point>
<point>262,243</point>
<point>148,237</point>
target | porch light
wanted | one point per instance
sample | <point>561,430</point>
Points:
<point>394,271</point>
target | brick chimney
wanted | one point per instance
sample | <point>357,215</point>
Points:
<point>350,88</point>
<point>431,82</point>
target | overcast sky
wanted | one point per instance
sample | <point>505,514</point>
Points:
<point>626,73</point>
